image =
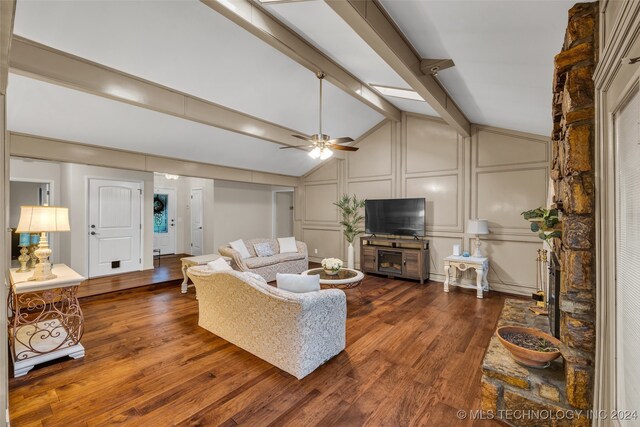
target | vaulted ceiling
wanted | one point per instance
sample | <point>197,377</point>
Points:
<point>503,53</point>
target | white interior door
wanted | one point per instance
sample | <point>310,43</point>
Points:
<point>164,220</point>
<point>283,214</point>
<point>197,226</point>
<point>115,227</point>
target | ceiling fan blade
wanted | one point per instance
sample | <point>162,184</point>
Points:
<point>304,138</point>
<point>343,148</point>
<point>301,147</point>
<point>342,140</point>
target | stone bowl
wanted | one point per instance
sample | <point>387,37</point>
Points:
<point>525,356</point>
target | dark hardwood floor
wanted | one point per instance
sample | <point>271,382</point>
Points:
<point>413,358</point>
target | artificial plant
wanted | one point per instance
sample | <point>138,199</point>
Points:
<point>544,222</point>
<point>350,209</point>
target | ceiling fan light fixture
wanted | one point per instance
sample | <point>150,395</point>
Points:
<point>325,153</point>
<point>315,153</point>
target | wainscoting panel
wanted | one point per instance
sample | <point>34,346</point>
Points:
<point>503,195</point>
<point>441,247</point>
<point>498,148</point>
<point>431,146</point>
<point>513,264</point>
<point>326,241</point>
<point>444,200</point>
<point>380,189</point>
<point>375,155</point>
<point>318,202</point>
<point>327,172</point>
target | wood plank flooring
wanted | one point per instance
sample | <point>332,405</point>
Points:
<point>167,271</point>
<point>413,358</point>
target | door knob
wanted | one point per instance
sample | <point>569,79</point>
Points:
<point>93,233</point>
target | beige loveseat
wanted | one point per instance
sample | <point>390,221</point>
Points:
<point>268,267</point>
<point>297,332</point>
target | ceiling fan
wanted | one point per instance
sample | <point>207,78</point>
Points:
<point>321,144</point>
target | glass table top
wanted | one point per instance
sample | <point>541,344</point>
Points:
<point>342,274</point>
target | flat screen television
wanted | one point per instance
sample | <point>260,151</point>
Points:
<point>400,217</point>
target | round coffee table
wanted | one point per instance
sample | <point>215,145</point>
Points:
<point>346,277</point>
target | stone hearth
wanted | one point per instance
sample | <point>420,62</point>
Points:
<point>519,395</point>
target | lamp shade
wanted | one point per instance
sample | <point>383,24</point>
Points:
<point>38,219</point>
<point>478,226</point>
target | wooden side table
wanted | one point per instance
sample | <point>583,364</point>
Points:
<point>196,260</point>
<point>45,319</point>
<point>460,263</point>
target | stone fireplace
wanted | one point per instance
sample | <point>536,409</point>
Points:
<point>567,385</point>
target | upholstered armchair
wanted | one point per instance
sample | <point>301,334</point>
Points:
<point>297,332</point>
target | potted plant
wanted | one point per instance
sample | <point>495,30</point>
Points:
<point>545,222</point>
<point>529,347</point>
<point>350,210</point>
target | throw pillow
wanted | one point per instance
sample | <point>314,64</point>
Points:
<point>263,249</point>
<point>298,283</point>
<point>241,248</point>
<point>287,245</point>
<point>219,265</point>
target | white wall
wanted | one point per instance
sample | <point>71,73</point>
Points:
<point>242,211</point>
<point>495,174</point>
<point>183,187</point>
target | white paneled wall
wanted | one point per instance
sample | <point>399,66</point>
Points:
<point>495,174</point>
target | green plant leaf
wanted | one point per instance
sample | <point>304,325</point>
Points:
<point>535,227</point>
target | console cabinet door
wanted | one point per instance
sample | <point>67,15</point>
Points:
<point>368,258</point>
<point>411,264</point>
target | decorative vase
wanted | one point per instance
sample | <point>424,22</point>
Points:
<point>350,257</point>
<point>526,356</point>
<point>331,272</point>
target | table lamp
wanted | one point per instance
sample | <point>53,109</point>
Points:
<point>478,227</point>
<point>43,219</point>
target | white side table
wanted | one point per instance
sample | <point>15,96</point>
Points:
<point>45,319</point>
<point>196,260</point>
<point>460,263</point>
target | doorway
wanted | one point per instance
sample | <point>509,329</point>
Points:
<point>197,232</point>
<point>282,213</point>
<point>164,221</point>
<point>115,227</point>
<point>27,193</point>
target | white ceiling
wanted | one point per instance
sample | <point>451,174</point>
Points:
<point>188,46</point>
<point>53,111</point>
<point>503,51</point>
<point>317,23</point>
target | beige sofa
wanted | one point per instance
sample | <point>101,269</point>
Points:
<point>268,267</point>
<point>297,332</point>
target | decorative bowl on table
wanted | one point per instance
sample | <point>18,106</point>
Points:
<point>332,266</point>
<point>529,347</point>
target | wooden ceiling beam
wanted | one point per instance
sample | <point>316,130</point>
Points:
<point>258,22</point>
<point>7,14</point>
<point>47,64</point>
<point>370,21</point>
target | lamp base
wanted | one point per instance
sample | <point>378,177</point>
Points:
<point>24,258</point>
<point>42,272</point>
<point>478,254</point>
